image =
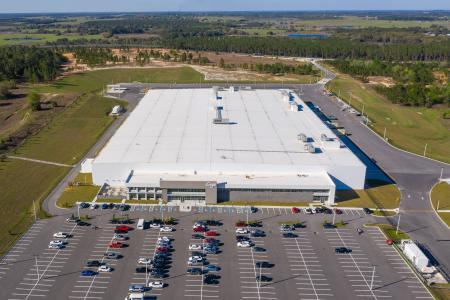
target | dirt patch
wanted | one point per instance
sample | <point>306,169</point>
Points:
<point>17,121</point>
<point>381,80</point>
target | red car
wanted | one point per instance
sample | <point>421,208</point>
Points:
<point>162,250</point>
<point>123,228</point>
<point>211,233</point>
<point>338,211</point>
<point>210,240</point>
<point>115,245</point>
<point>241,224</point>
<point>295,210</point>
<point>199,229</point>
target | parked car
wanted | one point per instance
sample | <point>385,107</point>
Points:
<point>263,278</point>
<point>120,237</point>
<point>136,288</point>
<point>84,205</point>
<point>240,238</point>
<point>329,226</point>
<point>115,244</point>
<point>194,271</point>
<point>367,211</point>
<point>195,247</point>
<point>94,206</point>
<point>195,258</point>
<point>82,223</point>
<point>111,255</point>
<point>342,250</point>
<point>156,284</point>
<point>143,270</point>
<point>93,263</point>
<point>166,229</point>
<point>164,238</point>
<point>285,228</point>
<point>104,268</point>
<point>57,242</point>
<point>241,224</point>
<point>212,268</point>
<point>211,233</point>
<point>244,244</point>
<point>338,211</point>
<point>241,230</point>
<point>263,264</point>
<point>88,273</point>
<point>61,235</point>
<point>104,206</point>
<point>53,246</point>
<point>259,249</point>
<point>289,235</point>
<point>123,228</point>
<point>253,209</point>
<point>211,279</point>
<point>197,236</point>
<point>155,225</point>
<point>295,210</point>
<point>135,296</point>
<point>144,261</point>
<point>199,229</point>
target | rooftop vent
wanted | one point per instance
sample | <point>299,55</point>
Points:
<point>302,137</point>
<point>309,148</point>
<point>218,119</point>
<point>324,137</point>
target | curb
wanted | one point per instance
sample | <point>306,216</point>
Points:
<point>432,206</point>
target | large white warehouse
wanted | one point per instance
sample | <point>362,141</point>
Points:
<point>212,145</point>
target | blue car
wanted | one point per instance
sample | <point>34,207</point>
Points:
<point>88,273</point>
<point>212,268</point>
<point>105,206</point>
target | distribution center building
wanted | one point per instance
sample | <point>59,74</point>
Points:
<point>211,145</point>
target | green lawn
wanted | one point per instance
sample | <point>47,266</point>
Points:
<point>74,194</point>
<point>67,137</point>
<point>409,128</point>
<point>20,38</point>
<point>378,195</point>
<point>441,194</point>
<point>22,183</point>
<point>142,201</point>
<point>391,232</point>
<point>97,80</point>
<point>71,134</point>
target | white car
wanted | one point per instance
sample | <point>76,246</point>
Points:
<point>156,284</point>
<point>244,244</point>
<point>61,235</point>
<point>195,258</point>
<point>135,296</point>
<point>195,247</point>
<point>104,269</point>
<point>56,242</point>
<point>155,225</point>
<point>53,246</point>
<point>144,261</point>
<point>241,230</point>
<point>197,224</point>
<point>166,229</point>
<point>164,238</point>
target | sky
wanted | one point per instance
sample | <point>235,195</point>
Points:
<point>28,6</point>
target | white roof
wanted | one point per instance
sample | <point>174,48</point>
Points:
<point>171,131</point>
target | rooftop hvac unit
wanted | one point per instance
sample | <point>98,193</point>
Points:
<point>309,148</point>
<point>215,92</point>
<point>302,137</point>
<point>218,119</point>
<point>323,137</point>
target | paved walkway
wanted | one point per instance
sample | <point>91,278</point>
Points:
<point>40,161</point>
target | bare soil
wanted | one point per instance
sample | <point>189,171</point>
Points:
<point>381,80</point>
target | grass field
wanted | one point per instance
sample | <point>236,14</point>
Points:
<point>74,194</point>
<point>391,232</point>
<point>97,80</point>
<point>441,194</point>
<point>378,195</point>
<point>409,128</point>
<point>68,136</point>
<point>34,38</point>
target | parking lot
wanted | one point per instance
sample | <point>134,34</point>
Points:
<point>304,266</point>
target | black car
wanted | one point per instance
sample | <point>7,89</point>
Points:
<point>289,235</point>
<point>83,223</point>
<point>253,209</point>
<point>93,263</point>
<point>327,211</point>
<point>198,236</point>
<point>194,271</point>
<point>259,249</point>
<point>241,238</point>
<point>263,264</point>
<point>159,275</point>
<point>257,234</point>
<point>143,270</point>
<point>263,278</point>
<point>342,250</point>
<point>329,226</point>
<point>367,211</point>
<point>211,279</point>
<point>213,223</point>
<point>84,205</point>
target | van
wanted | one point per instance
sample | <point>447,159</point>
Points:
<point>141,224</point>
<point>135,296</point>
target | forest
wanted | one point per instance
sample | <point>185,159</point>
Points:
<point>29,63</point>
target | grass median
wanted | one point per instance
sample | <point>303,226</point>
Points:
<point>409,128</point>
<point>440,195</point>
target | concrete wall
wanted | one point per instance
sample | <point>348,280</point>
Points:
<point>226,195</point>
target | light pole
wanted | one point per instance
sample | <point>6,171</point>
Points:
<point>442,172</point>
<point>146,273</point>
<point>34,209</point>
<point>78,210</point>
<point>398,223</point>
<point>425,150</point>
<point>384,134</point>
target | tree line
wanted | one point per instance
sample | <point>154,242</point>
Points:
<point>415,83</point>
<point>29,63</point>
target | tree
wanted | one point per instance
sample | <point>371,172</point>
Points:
<point>34,101</point>
<point>222,63</point>
<point>5,87</point>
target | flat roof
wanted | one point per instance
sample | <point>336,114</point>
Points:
<point>173,130</point>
